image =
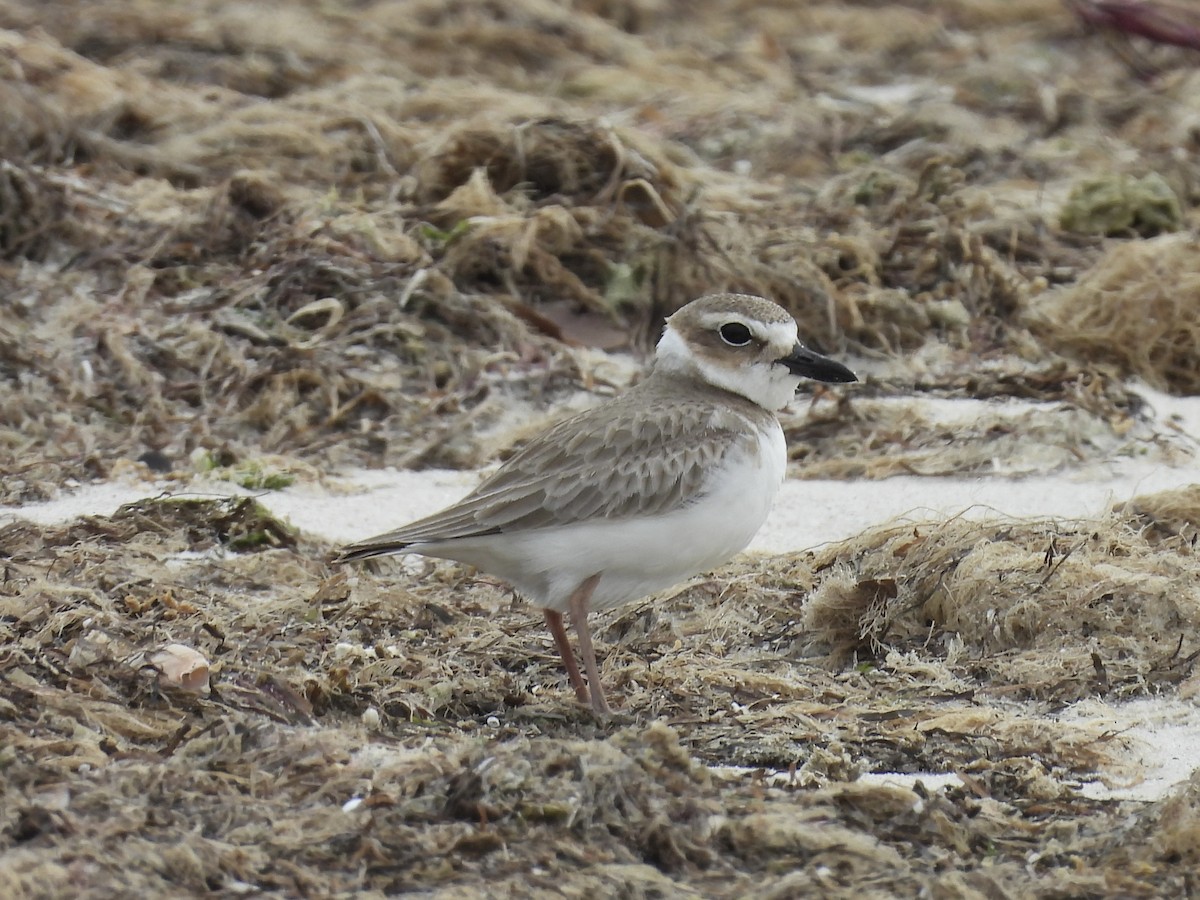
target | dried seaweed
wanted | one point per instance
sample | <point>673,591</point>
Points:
<point>363,234</point>
<point>438,731</point>
<point>1053,611</point>
<point>250,213</point>
<point>1133,310</point>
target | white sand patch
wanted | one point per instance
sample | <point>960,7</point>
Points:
<point>806,513</point>
<point>1164,734</point>
<point>100,499</point>
<point>932,781</point>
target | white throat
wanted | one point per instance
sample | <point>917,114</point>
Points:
<point>770,385</point>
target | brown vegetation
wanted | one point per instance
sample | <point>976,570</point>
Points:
<point>360,233</point>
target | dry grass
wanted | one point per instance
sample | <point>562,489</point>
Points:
<point>1135,310</point>
<point>222,232</point>
<point>1044,610</point>
<point>373,737</point>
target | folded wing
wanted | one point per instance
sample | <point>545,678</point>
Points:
<point>617,461</point>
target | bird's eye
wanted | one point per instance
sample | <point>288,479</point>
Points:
<point>735,334</point>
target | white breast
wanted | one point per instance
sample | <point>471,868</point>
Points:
<point>640,556</point>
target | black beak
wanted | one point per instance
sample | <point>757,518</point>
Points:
<point>802,361</point>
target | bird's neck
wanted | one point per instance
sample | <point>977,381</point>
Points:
<point>688,384</point>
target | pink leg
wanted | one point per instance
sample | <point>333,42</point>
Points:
<point>579,611</point>
<point>554,621</point>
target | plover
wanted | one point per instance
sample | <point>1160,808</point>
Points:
<point>669,479</point>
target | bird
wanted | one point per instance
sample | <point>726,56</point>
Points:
<point>667,480</point>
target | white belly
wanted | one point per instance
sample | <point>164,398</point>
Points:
<point>636,557</point>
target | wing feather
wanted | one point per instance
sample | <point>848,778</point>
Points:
<point>640,454</point>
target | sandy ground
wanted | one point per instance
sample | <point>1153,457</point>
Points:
<point>353,504</point>
<point>1163,734</point>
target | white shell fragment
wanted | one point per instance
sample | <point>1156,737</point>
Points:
<point>182,667</point>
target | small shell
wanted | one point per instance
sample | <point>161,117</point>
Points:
<point>182,667</point>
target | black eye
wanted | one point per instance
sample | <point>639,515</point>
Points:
<point>735,334</point>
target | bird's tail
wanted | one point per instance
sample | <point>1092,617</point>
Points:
<point>367,549</point>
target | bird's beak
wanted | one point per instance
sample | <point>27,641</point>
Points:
<point>802,361</point>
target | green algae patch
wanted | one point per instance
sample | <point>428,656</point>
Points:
<point>1121,206</point>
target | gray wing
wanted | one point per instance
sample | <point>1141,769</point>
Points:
<point>625,458</point>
